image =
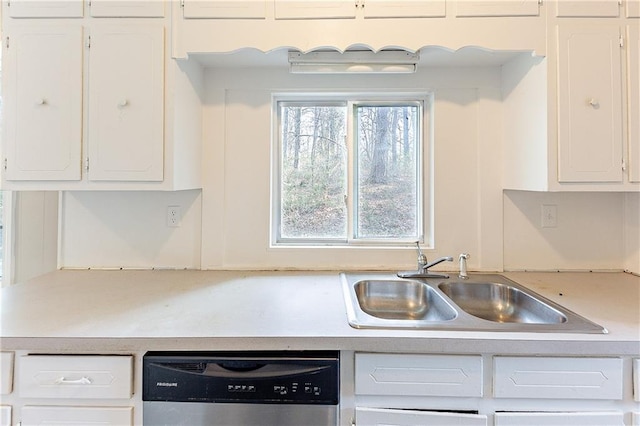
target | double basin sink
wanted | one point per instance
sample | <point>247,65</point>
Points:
<point>483,302</point>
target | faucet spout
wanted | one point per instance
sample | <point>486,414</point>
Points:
<point>435,262</point>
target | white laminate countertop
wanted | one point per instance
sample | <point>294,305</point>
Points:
<point>100,310</point>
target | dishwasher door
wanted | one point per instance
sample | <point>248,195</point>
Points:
<point>278,388</point>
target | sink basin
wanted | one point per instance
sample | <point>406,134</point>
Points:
<point>501,303</point>
<point>484,302</point>
<point>404,300</point>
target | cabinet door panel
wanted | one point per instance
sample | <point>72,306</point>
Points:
<point>127,8</point>
<point>5,415</point>
<point>548,377</point>
<point>559,419</point>
<point>385,417</point>
<point>497,8</point>
<point>634,103</point>
<point>102,416</point>
<point>43,109</point>
<point>46,8</point>
<point>126,112</point>
<point>6,372</point>
<point>404,9</point>
<point>590,104</point>
<point>425,375</point>
<point>314,9</point>
<point>633,8</point>
<point>588,8</point>
<point>225,9</point>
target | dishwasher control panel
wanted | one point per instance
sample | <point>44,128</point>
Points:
<point>272,377</point>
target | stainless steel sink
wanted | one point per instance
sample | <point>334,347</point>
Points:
<point>484,302</point>
<point>403,300</point>
<point>501,303</point>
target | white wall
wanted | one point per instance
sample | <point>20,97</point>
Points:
<point>226,225</point>
<point>589,234</point>
<point>129,230</point>
<point>632,232</point>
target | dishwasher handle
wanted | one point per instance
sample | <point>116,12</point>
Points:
<point>261,371</point>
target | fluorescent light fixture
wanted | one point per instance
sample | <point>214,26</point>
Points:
<point>353,62</point>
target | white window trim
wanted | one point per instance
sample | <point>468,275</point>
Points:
<point>425,166</point>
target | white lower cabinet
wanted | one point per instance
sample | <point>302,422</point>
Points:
<point>635,418</point>
<point>385,417</point>
<point>103,416</point>
<point>560,419</point>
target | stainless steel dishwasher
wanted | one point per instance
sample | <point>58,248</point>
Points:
<point>278,388</point>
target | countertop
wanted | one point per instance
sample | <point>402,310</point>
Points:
<point>103,310</point>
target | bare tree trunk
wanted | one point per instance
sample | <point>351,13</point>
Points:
<point>405,135</point>
<point>296,137</point>
<point>381,147</point>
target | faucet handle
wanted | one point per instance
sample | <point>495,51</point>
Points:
<point>422,259</point>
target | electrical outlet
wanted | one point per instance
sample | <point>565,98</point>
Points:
<point>174,215</point>
<point>549,215</point>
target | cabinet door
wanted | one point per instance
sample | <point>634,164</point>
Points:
<point>126,112</point>
<point>634,102</point>
<point>127,8</point>
<point>404,8</point>
<point>45,8</point>
<point>315,9</point>
<point>559,419</point>
<point>43,115</point>
<point>497,8</point>
<point>383,417</point>
<point>588,8</point>
<point>103,416</point>
<point>633,8</point>
<point>6,372</point>
<point>590,104</point>
<point>225,9</point>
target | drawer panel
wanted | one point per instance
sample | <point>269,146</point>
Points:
<point>559,419</point>
<point>418,375</point>
<point>58,376</point>
<point>6,372</point>
<point>636,379</point>
<point>571,378</point>
<point>103,416</point>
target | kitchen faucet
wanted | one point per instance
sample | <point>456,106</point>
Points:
<point>424,265</point>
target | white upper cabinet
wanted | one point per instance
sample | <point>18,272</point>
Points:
<point>43,110</point>
<point>126,8</point>
<point>497,8</point>
<point>588,8</point>
<point>633,61</point>
<point>225,9</point>
<point>590,136</point>
<point>403,9</point>
<point>314,9</point>
<point>349,9</point>
<point>125,125</point>
<point>45,8</point>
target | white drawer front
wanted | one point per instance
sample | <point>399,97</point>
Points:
<point>5,415</point>
<point>636,379</point>
<point>635,418</point>
<point>52,376</point>
<point>572,378</point>
<point>418,375</point>
<point>103,416</point>
<point>6,372</point>
<point>559,419</point>
<point>385,417</point>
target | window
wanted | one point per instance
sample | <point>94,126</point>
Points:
<point>349,169</point>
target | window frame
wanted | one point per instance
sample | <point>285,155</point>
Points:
<point>423,99</point>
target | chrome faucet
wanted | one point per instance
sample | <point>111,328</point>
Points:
<point>424,265</point>
<point>463,266</point>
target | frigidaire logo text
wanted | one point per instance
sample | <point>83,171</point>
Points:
<point>167,384</point>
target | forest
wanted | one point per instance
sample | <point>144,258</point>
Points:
<point>318,143</point>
